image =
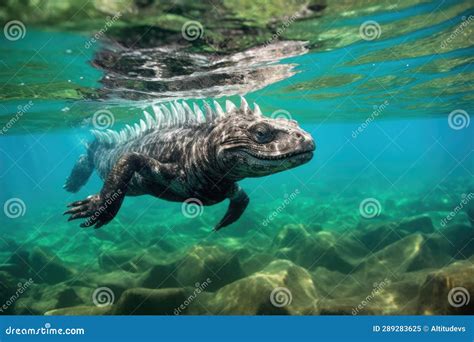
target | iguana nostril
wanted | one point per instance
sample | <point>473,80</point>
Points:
<point>298,135</point>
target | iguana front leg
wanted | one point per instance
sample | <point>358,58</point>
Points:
<point>101,208</point>
<point>238,202</point>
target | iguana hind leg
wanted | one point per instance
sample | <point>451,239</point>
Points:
<point>238,203</point>
<point>101,208</point>
<point>80,173</point>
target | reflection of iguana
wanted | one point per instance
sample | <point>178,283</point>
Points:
<point>182,154</point>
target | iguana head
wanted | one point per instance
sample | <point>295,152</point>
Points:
<point>248,144</point>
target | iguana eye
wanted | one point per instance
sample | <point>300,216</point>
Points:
<point>261,133</point>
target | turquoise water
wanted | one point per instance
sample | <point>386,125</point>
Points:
<point>378,110</point>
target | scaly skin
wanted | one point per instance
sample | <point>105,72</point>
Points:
<point>196,158</point>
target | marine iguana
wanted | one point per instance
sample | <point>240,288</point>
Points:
<point>180,153</point>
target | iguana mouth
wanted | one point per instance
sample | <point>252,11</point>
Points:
<point>286,156</point>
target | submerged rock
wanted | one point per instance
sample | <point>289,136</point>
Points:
<point>68,297</point>
<point>163,244</point>
<point>470,213</point>
<point>8,288</point>
<point>301,271</point>
<point>345,306</point>
<point>460,240</point>
<point>421,224</point>
<point>117,281</point>
<point>129,260</point>
<point>411,253</point>
<point>111,260</point>
<point>40,298</point>
<point>7,244</point>
<point>431,252</point>
<point>379,235</point>
<point>448,291</point>
<point>291,235</point>
<point>311,250</point>
<point>140,301</point>
<point>256,261</point>
<point>18,265</point>
<point>47,267</point>
<point>280,288</point>
<point>79,311</point>
<point>327,282</point>
<point>159,276</point>
<point>202,262</point>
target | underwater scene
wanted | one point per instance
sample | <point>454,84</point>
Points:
<point>236,157</point>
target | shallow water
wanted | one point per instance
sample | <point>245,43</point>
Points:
<point>390,118</point>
